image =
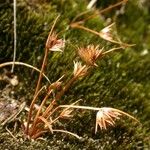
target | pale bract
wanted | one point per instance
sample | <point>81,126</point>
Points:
<point>79,70</point>
<point>107,33</point>
<point>58,46</point>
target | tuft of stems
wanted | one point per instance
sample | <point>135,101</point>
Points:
<point>49,114</point>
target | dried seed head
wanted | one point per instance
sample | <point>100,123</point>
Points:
<point>105,117</point>
<point>55,44</point>
<point>79,70</point>
<point>90,54</point>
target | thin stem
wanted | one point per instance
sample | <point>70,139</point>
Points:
<point>15,38</point>
<point>53,121</point>
<point>98,12</point>
<point>55,130</point>
<point>58,96</point>
<point>111,50</point>
<point>26,65</point>
<point>60,107</point>
<point>39,110</point>
<point>31,108</point>
<point>113,6</point>
<point>97,109</point>
<point>64,131</point>
<point>81,14</point>
<point>42,70</point>
<point>75,25</point>
<point>81,107</point>
<point>16,140</point>
<point>66,87</point>
<point>45,58</point>
<point>38,134</point>
<point>52,112</point>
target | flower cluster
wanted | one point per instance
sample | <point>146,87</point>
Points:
<point>90,54</point>
<point>106,117</point>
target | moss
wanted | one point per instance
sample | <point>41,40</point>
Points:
<point>122,79</point>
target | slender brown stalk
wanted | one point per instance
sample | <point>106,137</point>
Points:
<point>113,6</point>
<point>74,25</point>
<point>79,15</point>
<point>67,86</point>
<point>42,70</point>
<point>39,111</point>
<point>98,12</point>
<point>35,136</point>
<point>61,93</point>
<point>30,109</point>
<point>40,76</point>
<point>45,57</point>
<point>58,96</point>
<point>54,110</point>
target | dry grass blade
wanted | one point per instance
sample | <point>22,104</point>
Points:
<point>11,134</point>
<point>31,109</point>
<point>23,64</point>
<point>66,112</point>
<point>39,110</point>
<point>64,131</point>
<point>48,124</point>
<point>124,113</point>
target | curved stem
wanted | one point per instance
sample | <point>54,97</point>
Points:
<point>24,64</point>
<point>64,131</point>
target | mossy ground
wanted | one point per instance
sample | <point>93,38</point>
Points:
<point>122,79</point>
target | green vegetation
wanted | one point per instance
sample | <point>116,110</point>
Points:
<point>122,79</point>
